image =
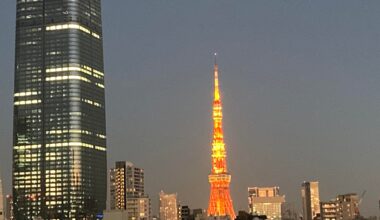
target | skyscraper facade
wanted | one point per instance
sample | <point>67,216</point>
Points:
<point>310,200</point>
<point>127,191</point>
<point>220,203</point>
<point>59,134</point>
<point>265,201</point>
<point>168,206</point>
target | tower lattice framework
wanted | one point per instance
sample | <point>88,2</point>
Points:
<point>220,203</point>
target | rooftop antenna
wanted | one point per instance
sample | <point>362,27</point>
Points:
<point>216,80</point>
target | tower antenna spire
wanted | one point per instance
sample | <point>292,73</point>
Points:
<point>216,79</point>
<point>220,203</point>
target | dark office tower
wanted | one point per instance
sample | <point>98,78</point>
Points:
<point>59,150</point>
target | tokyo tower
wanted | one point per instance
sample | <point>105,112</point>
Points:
<point>220,203</point>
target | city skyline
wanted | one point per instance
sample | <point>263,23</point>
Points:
<point>300,79</point>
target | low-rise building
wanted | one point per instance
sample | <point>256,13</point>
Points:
<point>347,206</point>
<point>168,206</point>
<point>265,201</point>
<point>115,214</point>
<point>328,210</point>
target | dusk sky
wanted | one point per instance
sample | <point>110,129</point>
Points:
<point>300,83</point>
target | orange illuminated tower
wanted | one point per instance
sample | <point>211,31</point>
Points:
<point>220,203</point>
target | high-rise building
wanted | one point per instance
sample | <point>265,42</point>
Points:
<point>127,191</point>
<point>310,200</point>
<point>59,129</point>
<point>9,207</point>
<point>220,203</point>
<point>328,210</point>
<point>2,211</point>
<point>168,206</point>
<point>265,201</point>
<point>118,185</point>
<point>347,206</point>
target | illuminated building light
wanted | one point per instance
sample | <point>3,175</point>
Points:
<point>97,76</point>
<point>60,78</point>
<point>66,69</point>
<point>74,26</point>
<point>95,35</point>
<point>28,173</point>
<point>100,148</point>
<point>29,43</point>
<point>51,158</point>
<point>78,68</point>
<point>98,72</point>
<point>73,131</point>
<point>23,94</point>
<point>100,85</point>
<point>54,193</point>
<point>28,102</point>
<point>87,68</point>
<point>92,103</point>
<point>76,144</point>
<point>28,160</point>
<point>25,147</point>
<point>53,171</point>
<point>101,136</point>
<point>54,53</point>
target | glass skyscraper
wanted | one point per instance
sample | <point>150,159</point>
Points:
<point>59,137</point>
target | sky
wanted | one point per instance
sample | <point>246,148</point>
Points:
<point>300,84</point>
